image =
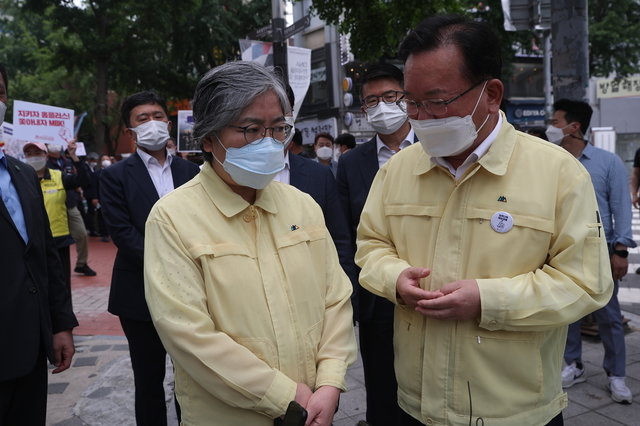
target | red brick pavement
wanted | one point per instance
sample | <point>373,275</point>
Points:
<point>90,294</point>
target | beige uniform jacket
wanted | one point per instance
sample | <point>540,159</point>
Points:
<point>249,300</point>
<point>546,269</point>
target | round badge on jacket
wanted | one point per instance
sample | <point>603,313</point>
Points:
<point>501,222</point>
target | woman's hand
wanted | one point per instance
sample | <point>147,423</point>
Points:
<point>322,406</point>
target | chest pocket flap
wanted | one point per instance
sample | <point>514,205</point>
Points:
<point>219,250</point>
<point>308,234</point>
<point>413,210</point>
<point>533,222</point>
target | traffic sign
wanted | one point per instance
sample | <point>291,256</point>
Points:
<point>297,26</point>
<point>260,32</point>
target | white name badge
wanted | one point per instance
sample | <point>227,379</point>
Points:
<point>501,222</point>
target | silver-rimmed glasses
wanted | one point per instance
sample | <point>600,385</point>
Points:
<point>431,106</point>
<point>388,97</point>
<point>254,133</point>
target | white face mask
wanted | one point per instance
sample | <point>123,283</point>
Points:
<point>152,135</point>
<point>255,164</point>
<point>54,149</point>
<point>106,163</point>
<point>555,134</point>
<point>171,151</point>
<point>3,110</point>
<point>386,118</point>
<point>445,137</point>
<point>324,152</point>
<point>38,163</point>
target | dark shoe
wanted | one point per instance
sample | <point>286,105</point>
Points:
<point>105,239</point>
<point>638,271</point>
<point>85,270</point>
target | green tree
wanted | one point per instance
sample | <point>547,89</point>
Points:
<point>128,46</point>
<point>377,27</point>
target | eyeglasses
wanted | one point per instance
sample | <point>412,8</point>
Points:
<point>431,106</point>
<point>255,132</point>
<point>388,97</point>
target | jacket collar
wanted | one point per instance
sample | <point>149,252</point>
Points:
<point>230,203</point>
<point>495,161</point>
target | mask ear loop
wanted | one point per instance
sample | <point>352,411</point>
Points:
<point>476,107</point>
<point>225,149</point>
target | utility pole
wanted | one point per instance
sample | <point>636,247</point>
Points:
<point>279,41</point>
<point>570,34</point>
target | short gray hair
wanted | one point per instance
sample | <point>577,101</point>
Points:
<point>225,91</point>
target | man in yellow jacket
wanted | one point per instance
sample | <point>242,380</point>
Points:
<point>488,241</point>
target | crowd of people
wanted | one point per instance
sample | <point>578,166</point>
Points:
<point>467,252</point>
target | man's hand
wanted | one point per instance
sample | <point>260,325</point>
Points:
<point>303,393</point>
<point>63,350</point>
<point>71,150</point>
<point>460,301</point>
<point>408,286</point>
<point>619,266</point>
<point>322,406</point>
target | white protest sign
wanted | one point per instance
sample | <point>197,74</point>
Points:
<point>186,142</point>
<point>42,123</point>
<point>298,65</point>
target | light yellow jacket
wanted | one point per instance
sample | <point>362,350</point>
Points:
<point>248,300</point>
<point>548,271</point>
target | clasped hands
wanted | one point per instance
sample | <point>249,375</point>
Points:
<point>320,405</point>
<point>457,300</point>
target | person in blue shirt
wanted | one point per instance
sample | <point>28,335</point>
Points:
<point>568,127</point>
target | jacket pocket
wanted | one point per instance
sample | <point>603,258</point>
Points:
<point>408,349</point>
<point>500,372</point>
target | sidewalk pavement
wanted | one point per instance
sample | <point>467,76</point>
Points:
<point>98,389</point>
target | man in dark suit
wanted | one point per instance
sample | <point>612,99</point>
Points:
<point>318,181</point>
<point>36,318</point>
<point>128,191</point>
<point>382,86</point>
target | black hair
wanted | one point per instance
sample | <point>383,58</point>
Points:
<point>297,138</point>
<point>575,111</point>
<point>382,70</point>
<point>323,135</point>
<point>346,139</point>
<point>477,42</point>
<point>3,72</point>
<point>291,96</point>
<point>147,97</point>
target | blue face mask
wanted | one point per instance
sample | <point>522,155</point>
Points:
<point>255,164</point>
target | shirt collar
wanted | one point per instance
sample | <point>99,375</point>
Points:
<point>230,203</point>
<point>148,159</point>
<point>408,141</point>
<point>3,159</point>
<point>286,160</point>
<point>588,151</point>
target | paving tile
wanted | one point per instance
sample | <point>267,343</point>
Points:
<point>87,361</point>
<point>56,388</point>
<point>100,348</point>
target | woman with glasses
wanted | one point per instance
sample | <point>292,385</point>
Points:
<point>241,275</point>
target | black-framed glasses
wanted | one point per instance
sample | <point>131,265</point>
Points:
<point>255,132</point>
<point>431,106</point>
<point>388,97</point>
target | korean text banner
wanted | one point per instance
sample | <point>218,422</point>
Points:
<point>42,123</point>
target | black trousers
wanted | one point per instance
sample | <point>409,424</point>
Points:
<point>405,419</point>
<point>148,360</point>
<point>376,348</point>
<point>23,401</point>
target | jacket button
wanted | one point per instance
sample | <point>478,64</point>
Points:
<point>247,218</point>
<point>429,421</point>
<point>33,290</point>
<point>493,322</point>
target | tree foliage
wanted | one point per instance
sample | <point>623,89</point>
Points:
<point>123,46</point>
<point>377,27</point>
<point>614,29</point>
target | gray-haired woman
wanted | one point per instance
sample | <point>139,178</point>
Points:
<point>252,303</point>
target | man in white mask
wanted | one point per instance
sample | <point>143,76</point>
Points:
<point>486,239</point>
<point>128,191</point>
<point>382,86</point>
